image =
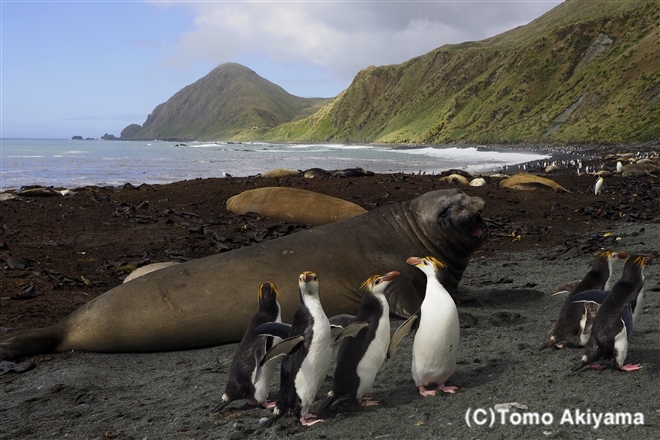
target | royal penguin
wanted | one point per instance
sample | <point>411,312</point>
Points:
<point>364,346</point>
<point>435,347</point>
<point>247,379</point>
<point>573,325</point>
<point>613,324</point>
<point>598,187</point>
<point>307,354</point>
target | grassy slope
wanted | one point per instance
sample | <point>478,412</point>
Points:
<point>510,88</point>
<point>231,98</point>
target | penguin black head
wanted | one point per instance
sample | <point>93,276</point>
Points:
<point>267,294</point>
<point>632,269</point>
<point>605,254</point>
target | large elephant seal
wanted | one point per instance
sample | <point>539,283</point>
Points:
<point>293,205</point>
<point>210,301</point>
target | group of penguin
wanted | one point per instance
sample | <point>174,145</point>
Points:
<point>600,317</point>
<point>305,346</point>
<point>595,315</point>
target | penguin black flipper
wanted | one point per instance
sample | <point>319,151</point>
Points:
<point>278,329</point>
<point>352,330</point>
<point>270,422</point>
<point>579,366</point>
<point>592,296</point>
<point>408,326</point>
<point>286,347</point>
<point>341,321</point>
<point>259,353</point>
<point>220,406</point>
<point>627,318</point>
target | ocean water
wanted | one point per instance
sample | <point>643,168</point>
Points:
<point>77,163</point>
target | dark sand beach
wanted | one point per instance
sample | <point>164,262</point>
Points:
<point>78,247</point>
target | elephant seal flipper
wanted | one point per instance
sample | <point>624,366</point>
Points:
<point>210,301</point>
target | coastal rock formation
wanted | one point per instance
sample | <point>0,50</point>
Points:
<point>583,71</point>
<point>130,131</point>
<point>201,111</point>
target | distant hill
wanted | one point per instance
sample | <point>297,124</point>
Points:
<point>586,71</point>
<point>230,99</point>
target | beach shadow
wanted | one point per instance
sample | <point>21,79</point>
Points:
<point>648,357</point>
<point>498,298</point>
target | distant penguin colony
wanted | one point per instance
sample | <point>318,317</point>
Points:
<point>596,316</point>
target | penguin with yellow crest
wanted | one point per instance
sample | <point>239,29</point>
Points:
<point>435,347</point>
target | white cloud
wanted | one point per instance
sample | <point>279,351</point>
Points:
<point>340,37</point>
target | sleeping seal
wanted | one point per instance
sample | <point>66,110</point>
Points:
<point>210,301</point>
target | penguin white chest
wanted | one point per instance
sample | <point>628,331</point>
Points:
<point>621,346</point>
<point>435,348</point>
<point>316,364</point>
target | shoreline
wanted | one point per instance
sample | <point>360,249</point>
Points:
<point>594,155</point>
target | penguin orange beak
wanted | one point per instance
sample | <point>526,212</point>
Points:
<point>390,275</point>
<point>413,261</point>
<point>621,255</point>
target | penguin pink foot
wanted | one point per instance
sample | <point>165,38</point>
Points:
<point>367,401</point>
<point>309,420</point>
<point>630,367</point>
<point>269,404</point>
<point>447,389</point>
<point>596,367</point>
<point>424,392</point>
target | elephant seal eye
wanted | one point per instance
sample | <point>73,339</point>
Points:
<point>444,213</point>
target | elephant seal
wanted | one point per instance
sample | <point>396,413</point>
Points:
<point>140,271</point>
<point>455,179</point>
<point>210,301</point>
<point>293,205</point>
<point>317,173</point>
<point>530,182</point>
<point>281,172</point>
<point>640,169</point>
<point>352,172</point>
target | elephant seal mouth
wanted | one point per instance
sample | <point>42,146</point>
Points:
<point>472,226</point>
<point>478,229</point>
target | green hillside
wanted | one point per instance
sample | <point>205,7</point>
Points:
<point>586,71</point>
<point>230,99</point>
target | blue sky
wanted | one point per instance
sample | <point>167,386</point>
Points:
<point>93,67</point>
